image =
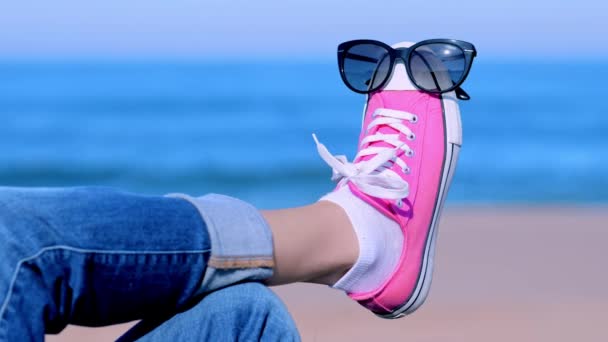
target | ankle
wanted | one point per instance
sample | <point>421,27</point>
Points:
<point>315,243</point>
<point>341,249</point>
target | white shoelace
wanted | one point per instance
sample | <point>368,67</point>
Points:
<point>374,177</point>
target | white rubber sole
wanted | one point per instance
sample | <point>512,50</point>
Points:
<point>453,144</point>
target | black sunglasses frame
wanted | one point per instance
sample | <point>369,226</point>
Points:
<point>405,54</point>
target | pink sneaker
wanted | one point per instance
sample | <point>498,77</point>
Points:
<point>407,155</point>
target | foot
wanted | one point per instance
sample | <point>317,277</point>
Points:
<point>403,168</point>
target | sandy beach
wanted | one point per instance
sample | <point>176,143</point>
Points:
<point>503,274</point>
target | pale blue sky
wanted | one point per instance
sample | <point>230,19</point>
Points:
<point>298,29</point>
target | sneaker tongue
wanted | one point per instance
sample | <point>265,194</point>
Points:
<point>383,129</point>
<point>375,102</point>
<point>411,101</point>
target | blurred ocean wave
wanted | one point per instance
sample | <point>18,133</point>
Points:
<point>532,132</point>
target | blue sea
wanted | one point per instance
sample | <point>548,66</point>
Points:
<point>533,132</point>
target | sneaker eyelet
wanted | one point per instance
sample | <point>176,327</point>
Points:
<point>406,170</point>
<point>409,153</point>
<point>414,119</point>
<point>412,136</point>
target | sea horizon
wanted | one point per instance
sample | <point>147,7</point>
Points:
<point>532,132</point>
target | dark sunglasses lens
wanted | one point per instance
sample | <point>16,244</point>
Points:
<point>366,66</point>
<point>437,67</point>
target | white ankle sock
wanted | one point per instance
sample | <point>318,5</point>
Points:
<point>380,243</point>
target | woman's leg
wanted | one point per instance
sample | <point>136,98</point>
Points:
<point>93,256</point>
<point>243,312</point>
<point>314,243</point>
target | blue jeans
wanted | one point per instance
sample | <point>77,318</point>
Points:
<point>96,256</point>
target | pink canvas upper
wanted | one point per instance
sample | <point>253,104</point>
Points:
<point>416,211</point>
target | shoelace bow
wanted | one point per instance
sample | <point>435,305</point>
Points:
<point>374,176</point>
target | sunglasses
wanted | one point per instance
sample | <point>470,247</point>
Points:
<point>434,65</point>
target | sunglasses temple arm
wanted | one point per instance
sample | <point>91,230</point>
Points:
<point>361,58</point>
<point>428,66</point>
<point>461,94</point>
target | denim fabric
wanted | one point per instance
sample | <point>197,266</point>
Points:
<point>244,312</point>
<point>95,256</point>
<point>241,241</point>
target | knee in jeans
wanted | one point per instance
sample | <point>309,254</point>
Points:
<point>253,297</point>
<point>256,310</point>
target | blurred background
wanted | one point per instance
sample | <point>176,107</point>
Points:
<point>222,96</point>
